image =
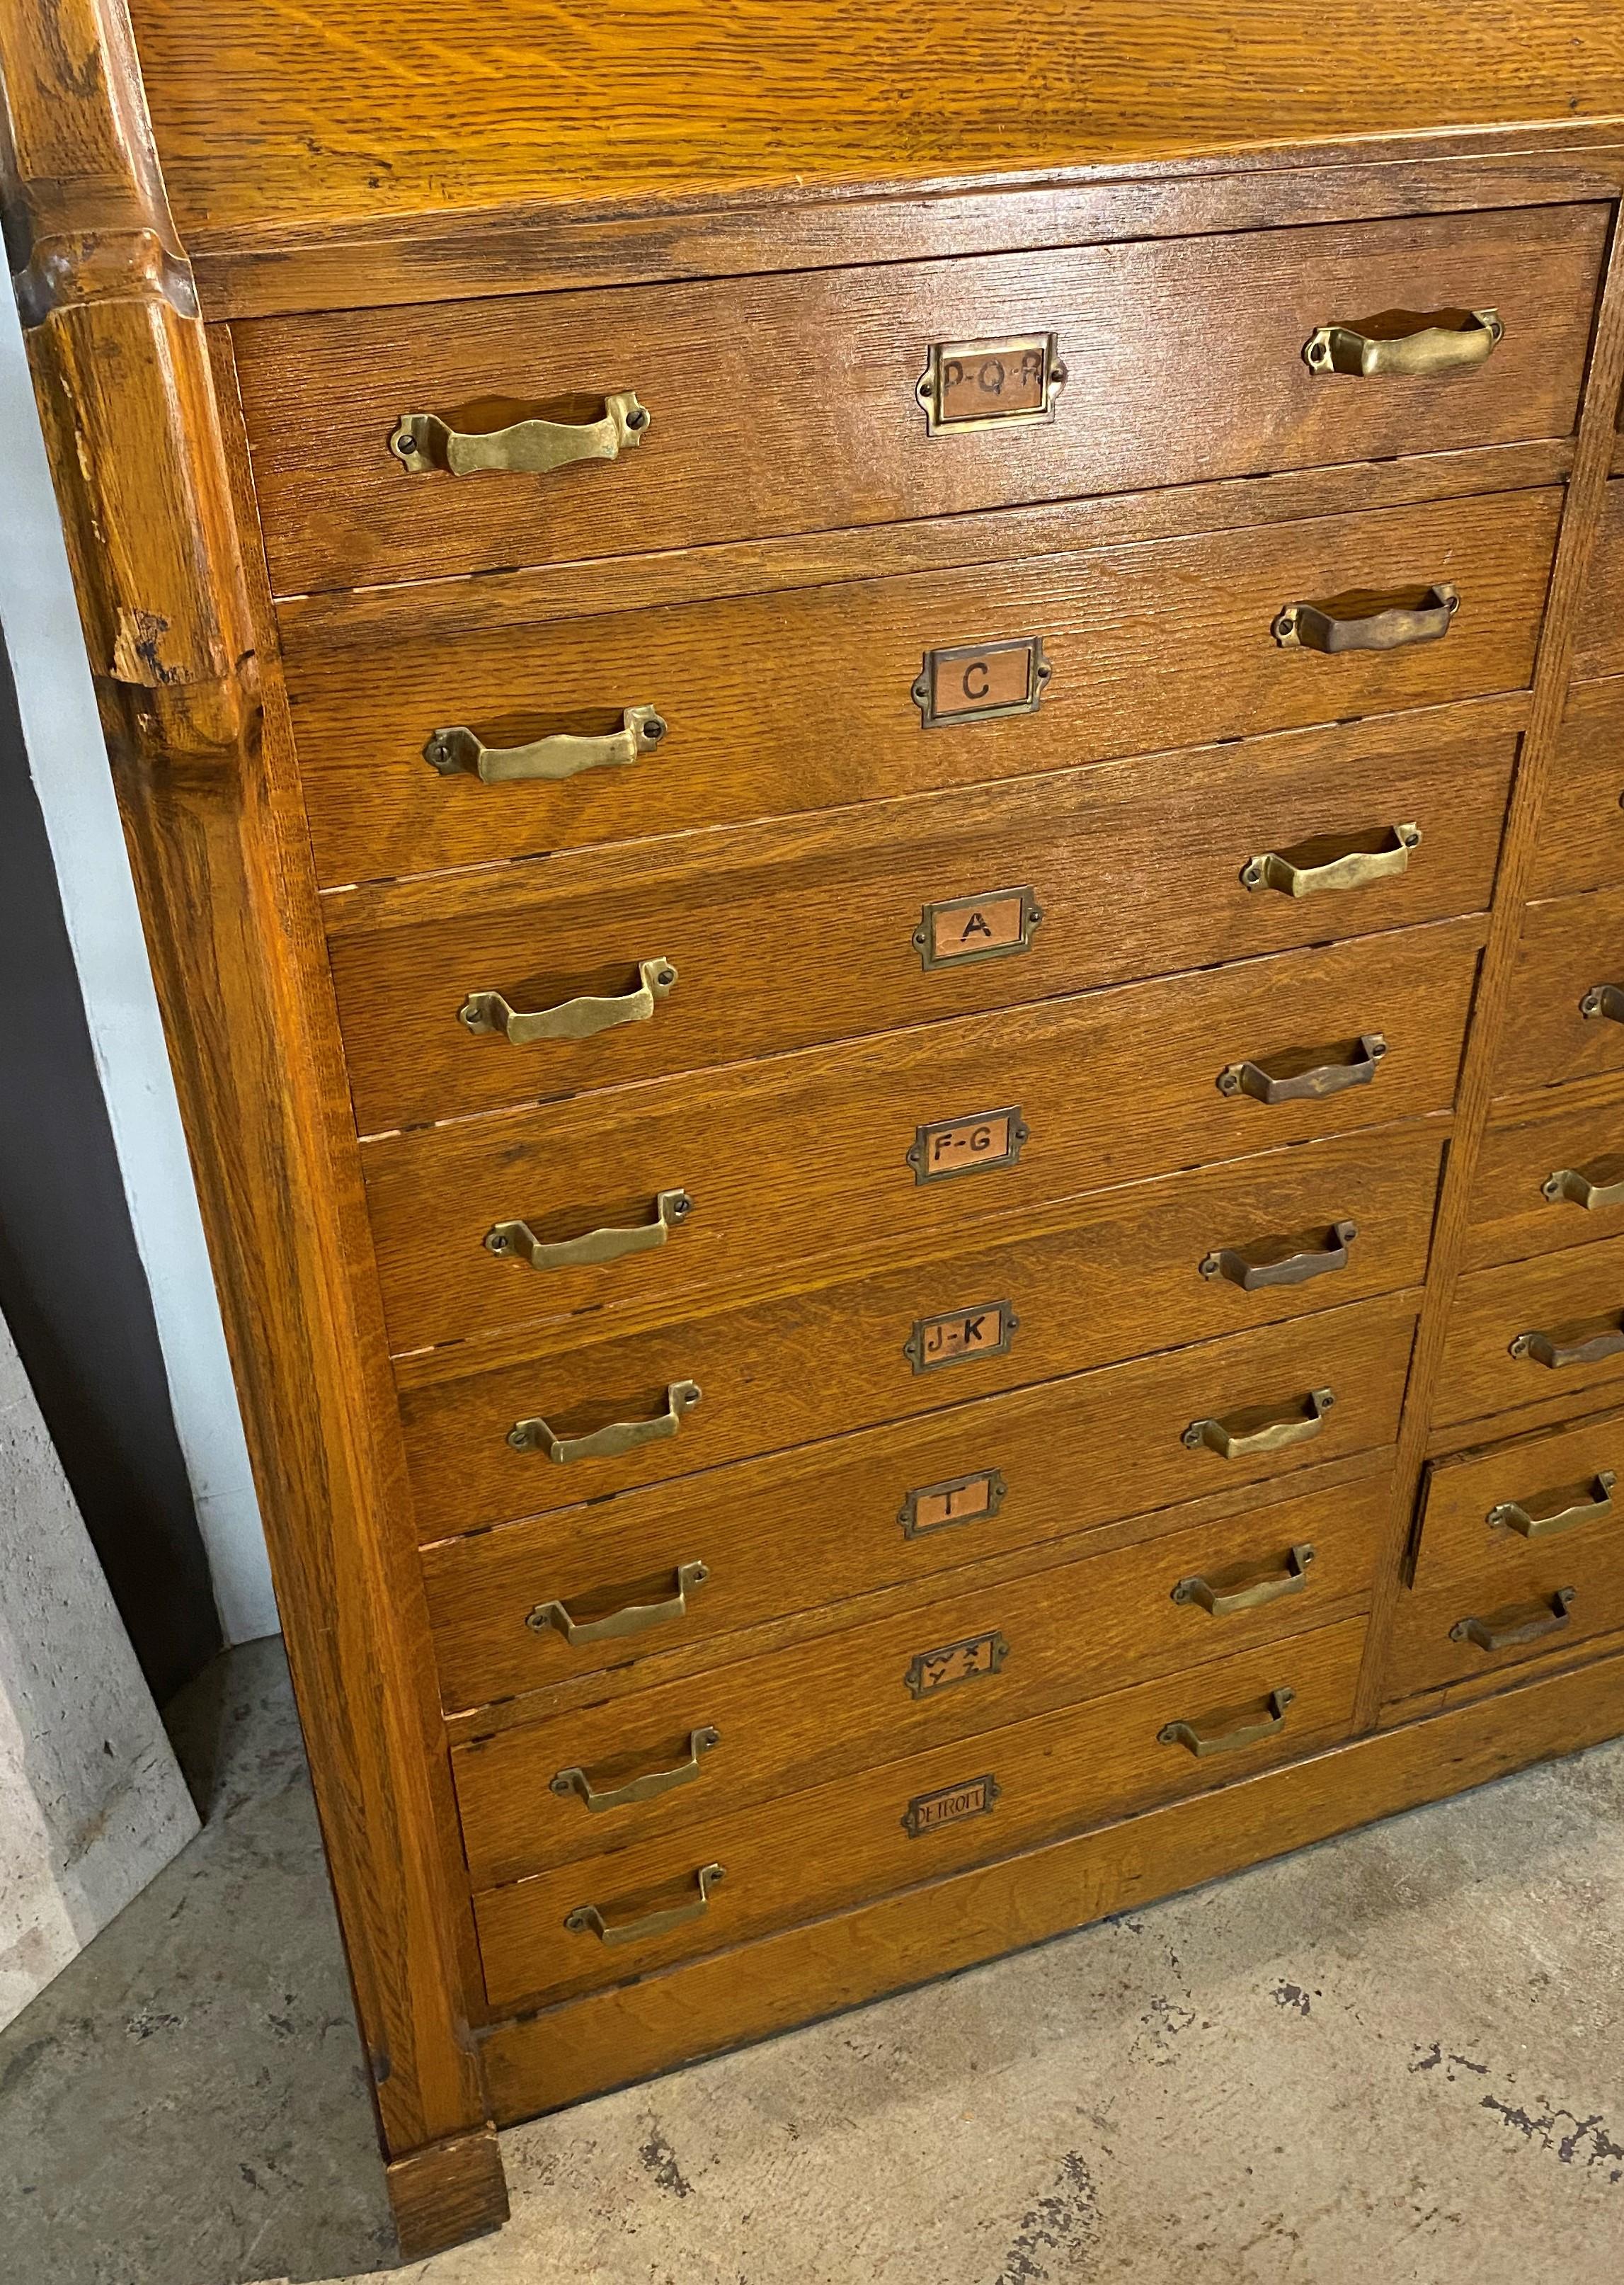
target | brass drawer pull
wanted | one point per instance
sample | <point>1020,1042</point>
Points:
<point>1545,1349</point>
<point>1526,1624</point>
<point>1266,1585</point>
<point>1583,1503</point>
<point>1582,1189</point>
<point>1406,343</point>
<point>1305,1086</point>
<point>1270,1436</point>
<point>519,1242</point>
<point>483,1012</point>
<point>1202,1738</point>
<point>1604,1000</point>
<point>606,1444</point>
<point>1354,868</point>
<point>554,758</point>
<point>1381,626</point>
<point>632,1619</point>
<point>648,1787</point>
<point>1295,1268</point>
<point>529,448</point>
<point>587,1920</point>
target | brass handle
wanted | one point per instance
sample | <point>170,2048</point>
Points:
<point>1526,1624</point>
<point>1305,1086</point>
<point>519,1242</point>
<point>1584,1504</point>
<point>1406,343</point>
<point>554,758</point>
<point>1569,1182</point>
<point>422,441</point>
<point>1604,1000</point>
<point>483,1012</point>
<point>1545,1349</point>
<point>1294,1268</point>
<point>1234,1443</point>
<point>1382,626</point>
<point>587,1920</point>
<point>1203,1738</point>
<point>606,1444</point>
<point>632,1619</point>
<point>1266,1584</point>
<point>647,1788</point>
<point>1354,868</point>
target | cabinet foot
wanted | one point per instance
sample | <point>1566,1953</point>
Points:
<point>447,2192</point>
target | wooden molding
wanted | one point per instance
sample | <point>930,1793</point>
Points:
<point>122,373</point>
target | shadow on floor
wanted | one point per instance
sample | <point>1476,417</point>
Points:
<point>187,2103</point>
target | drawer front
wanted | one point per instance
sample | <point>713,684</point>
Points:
<point>987,1656</point>
<point>1522,1552</point>
<point>1120,1276</point>
<point>785,936</point>
<point>1582,824</point>
<point>906,1138</point>
<point>1565,1019</point>
<point>903,1504</point>
<point>913,1820</point>
<point>1563,1313</point>
<point>792,402</point>
<point>1598,645</point>
<point>779,704</point>
<point>1548,1178</point>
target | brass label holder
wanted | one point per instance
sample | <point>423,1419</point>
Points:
<point>960,1334</point>
<point>930,1670</point>
<point>961,1499</point>
<point>1013,383</point>
<point>960,930</point>
<point>981,682</point>
<point>946,1148</point>
<point>927,1812</point>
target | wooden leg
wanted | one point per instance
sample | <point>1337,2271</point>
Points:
<point>448,2191</point>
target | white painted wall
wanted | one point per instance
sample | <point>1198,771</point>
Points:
<point>69,767</point>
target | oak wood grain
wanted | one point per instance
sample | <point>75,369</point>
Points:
<point>1581,1130</point>
<point>828,1848</point>
<point>1598,645</point>
<point>801,1717</point>
<point>1068,1455</point>
<point>1573,1296</point>
<point>780,703</point>
<point>1581,827</point>
<point>144,457</point>
<point>559,2054</point>
<point>804,1157</point>
<point>785,936</point>
<point>1117,1274</point>
<point>447,2192</point>
<point>1569,944</point>
<point>264,117</point>
<point>1469,1567</point>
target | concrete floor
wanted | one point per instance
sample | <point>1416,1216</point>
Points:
<point>1394,2060</point>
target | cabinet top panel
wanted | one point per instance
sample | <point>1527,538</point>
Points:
<point>270,114</point>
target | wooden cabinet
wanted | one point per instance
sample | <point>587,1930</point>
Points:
<point>886,866</point>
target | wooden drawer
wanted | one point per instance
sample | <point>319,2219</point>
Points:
<point>784,702</point>
<point>795,407</point>
<point>993,1653</point>
<point>913,1820</point>
<point>784,936</point>
<point>1512,1214</point>
<point>1529,1595</point>
<point>899,1505</point>
<point>1598,635</point>
<point>837,1151</point>
<point>1582,824</point>
<point>1570,947</point>
<point>1571,1298</point>
<point>1115,1276</point>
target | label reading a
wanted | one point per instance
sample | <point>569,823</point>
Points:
<point>935,1507</point>
<point>929,1811</point>
<point>968,1146</point>
<point>977,927</point>
<point>961,1334</point>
